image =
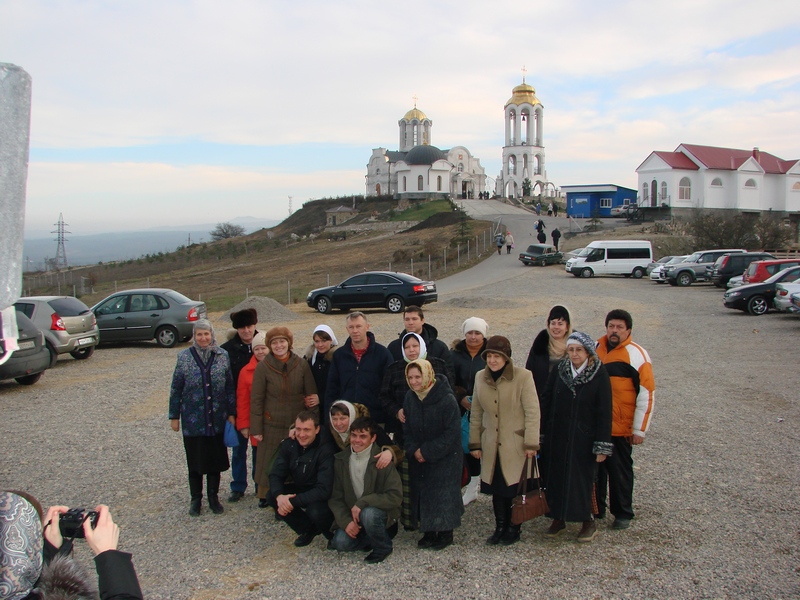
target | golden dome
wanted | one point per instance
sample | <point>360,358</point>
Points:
<point>523,93</point>
<point>414,113</point>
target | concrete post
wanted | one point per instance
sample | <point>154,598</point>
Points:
<point>15,122</point>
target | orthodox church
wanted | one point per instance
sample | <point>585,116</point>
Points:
<point>420,170</point>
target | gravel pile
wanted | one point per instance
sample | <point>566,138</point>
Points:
<point>269,310</point>
<point>717,480</point>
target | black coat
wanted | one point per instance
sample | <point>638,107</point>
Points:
<point>434,427</point>
<point>239,353</point>
<point>436,347</point>
<point>466,366</point>
<point>310,469</point>
<point>320,370</point>
<point>577,426</point>
<point>538,361</point>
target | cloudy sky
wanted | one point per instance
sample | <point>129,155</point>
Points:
<point>152,113</point>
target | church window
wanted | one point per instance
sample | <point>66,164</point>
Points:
<point>415,130</point>
<point>419,183</point>
<point>404,183</point>
<point>796,187</point>
<point>645,194</point>
<point>439,183</point>
<point>377,171</point>
<point>663,190</point>
<point>460,167</point>
<point>685,189</point>
<point>750,183</point>
<point>537,169</point>
<point>716,182</point>
<point>512,165</point>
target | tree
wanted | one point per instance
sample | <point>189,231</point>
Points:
<point>526,187</point>
<point>223,231</point>
<point>717,230</point>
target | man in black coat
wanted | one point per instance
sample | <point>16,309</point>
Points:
<point>303,503</point>
<point>240,351</point>
<point>414,322</point>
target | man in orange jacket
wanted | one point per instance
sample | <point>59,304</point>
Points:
<point>632,389</point>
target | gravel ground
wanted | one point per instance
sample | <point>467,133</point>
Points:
<point>717,480</point>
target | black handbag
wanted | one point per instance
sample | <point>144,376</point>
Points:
<point>528,505</point>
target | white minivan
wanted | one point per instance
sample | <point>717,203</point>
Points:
<point>612,257</point>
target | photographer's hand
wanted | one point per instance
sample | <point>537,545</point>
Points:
<point>105,535</point>
<point>52,530</point>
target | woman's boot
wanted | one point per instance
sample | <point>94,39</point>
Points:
<point>511,535</point>
<point>500,520</point>
<point>212,489</point>
<point>443,540</point>
<point>196,491</point>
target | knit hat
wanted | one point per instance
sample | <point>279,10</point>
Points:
<point>244,317</point>
<point>475,324</point>
<point>499,345</point>
<point>582,339</point>
<point>280,332</point>
<point>423,348</point>
<point>327,330</point>
<point>21,558</point>
<point>259,339</point>
<point>558,312</point>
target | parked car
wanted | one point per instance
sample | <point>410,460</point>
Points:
<point>540,254</point>
<point>730,265</point>
<point>612,257</point>
<point>620,211</point>
<point>761,270</point>
<point>758,298</point>
<point>735,281</point>
<point>69,326</point>
<point>657,274</point>
<point>693,268</point>
<point>783,297</point>
<point>26,364</point>
<point>657,263</point>
<point>145,314</point>
<point>795,299</point>
<point>374,289</point>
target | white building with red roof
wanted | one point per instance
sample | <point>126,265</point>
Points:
<point>720,178</point>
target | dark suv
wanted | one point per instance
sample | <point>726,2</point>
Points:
<point>731,265</point>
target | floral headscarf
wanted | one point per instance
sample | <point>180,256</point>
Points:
<point>423,347</point>
<point>428,376</point>
<point>21,546</point>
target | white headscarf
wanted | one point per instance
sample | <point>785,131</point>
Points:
<point>329,331</point>
<point>423,348</point>
<point>352,410</point>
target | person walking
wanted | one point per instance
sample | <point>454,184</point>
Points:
<point>499,239</point>
<point>509,242</point>
<point>556,235</point>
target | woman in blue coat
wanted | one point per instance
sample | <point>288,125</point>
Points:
<point>201,399</point>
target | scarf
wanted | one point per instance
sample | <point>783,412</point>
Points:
<point>558,348</point>
<point>21,544</point>
<point>428,376</point>
<point>423,348</point>
<point>205,353</point>
<point>329,331</point>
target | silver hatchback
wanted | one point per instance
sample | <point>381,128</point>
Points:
<point>69,326</point>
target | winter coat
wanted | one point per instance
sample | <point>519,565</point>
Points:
<point>276,398</point>
<point>243,391</point>
<point>576,425</point>
<point>505,421</point>
<point>382,489</point>
<point>187,399</point>
<point>395,387</point>
<point>320,370</point>
<point>358,382</point>
<point>310,470</point>
<point>436,347</point>
<point>465,365</point>
<point>239,354</point>
<point>539,361</point>
<point>433,426</point>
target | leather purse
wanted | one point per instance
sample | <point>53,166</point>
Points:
<point>527,504</point>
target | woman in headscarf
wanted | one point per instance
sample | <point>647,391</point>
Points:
<point>283,385</point>
<point>432,432</point>
<point>319,356</point>
<point>549,347</point>
<point>243,390</point>
<point>576,423</point>
<point>341,415</point>
<point>393,397</point>
<point>201,398</point>
<point>503,431</point>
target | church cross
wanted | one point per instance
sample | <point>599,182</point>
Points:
<point>524,70</point>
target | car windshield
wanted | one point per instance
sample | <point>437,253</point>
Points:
<point>68,307</point>
<point>177,297</point>
<point>586,251</point>
<point>676,259</point>
<point>693,257</point>
<point>786,276</point>
<point>534,250</point>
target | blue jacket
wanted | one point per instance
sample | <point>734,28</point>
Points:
<point>358,382</point>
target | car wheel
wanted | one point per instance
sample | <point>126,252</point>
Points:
<point>638,272</point>
<point>542,262</point>
<point>82,353</point>
<point>166,336</point>
<point>29,379</point>
<point>395,304</point>
<point>323,305</point>
<point>587,272</point>
<point>53,355</point>
<point>684,279</point>
<point>757,305</point>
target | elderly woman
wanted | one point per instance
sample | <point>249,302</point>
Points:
<point>576,422</point>
<point>503,431</point>
<point>433,444</point>
<point>283,385</point>
<point>319,356</point>
<point>549,347</point>
<point>201,398</point>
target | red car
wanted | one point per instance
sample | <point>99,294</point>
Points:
<point>761,270</point>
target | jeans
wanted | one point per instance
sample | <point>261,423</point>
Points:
<point>314,518</point>
<point>239,465</point>
<point>373,533</point>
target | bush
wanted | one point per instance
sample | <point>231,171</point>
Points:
<point>719,230</point>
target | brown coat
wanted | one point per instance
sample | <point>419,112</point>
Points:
<point>504,421</point>
<point>276,398</point>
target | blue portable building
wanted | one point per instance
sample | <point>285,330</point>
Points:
<point>589,200</point>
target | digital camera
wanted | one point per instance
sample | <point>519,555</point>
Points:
<point>71,522</point>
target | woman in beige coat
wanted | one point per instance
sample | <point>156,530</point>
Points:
<point>283,385</point>
<point>503,431</point>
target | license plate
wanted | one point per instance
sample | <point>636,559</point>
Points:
<point>84,341</point>
<point>27,345</point>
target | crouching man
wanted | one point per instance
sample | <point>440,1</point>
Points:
<point>301,479</point>
<point>365,500</point>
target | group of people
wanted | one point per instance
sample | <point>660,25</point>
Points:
<point>350,441</point>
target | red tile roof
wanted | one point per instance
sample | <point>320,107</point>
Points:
<point>730,159</point>
<point>677,160</point>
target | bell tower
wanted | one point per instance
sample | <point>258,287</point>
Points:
<point>415,129</point>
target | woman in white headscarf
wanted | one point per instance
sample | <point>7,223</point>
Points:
<point>319,356</point>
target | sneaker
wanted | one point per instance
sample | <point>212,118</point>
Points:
<point>555,528</point>
<point>588,532</point>
<point>304,539</point>
<point>374,558</point>
<point>621,523</point>
<point>235,496</point>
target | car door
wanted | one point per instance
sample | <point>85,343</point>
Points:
<point>111,316</point>
<point>381,287</point>
<point>144,314</point>
<point>350,293</point>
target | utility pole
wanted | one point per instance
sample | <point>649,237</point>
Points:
<point>60,261</point>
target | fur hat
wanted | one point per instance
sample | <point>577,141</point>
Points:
<point>499,345</point>
<point>244,317</point>
<point>558,312</point>
<point>259,339</point>
<point>280,332</point>
<point>475,324</point>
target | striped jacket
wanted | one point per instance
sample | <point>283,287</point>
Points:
<point>632,386</point>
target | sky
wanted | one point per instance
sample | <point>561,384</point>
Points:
<point>154,113</point>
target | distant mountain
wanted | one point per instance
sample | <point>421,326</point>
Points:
<point>122,245</point>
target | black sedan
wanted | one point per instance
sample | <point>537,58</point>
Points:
<point>541,254</point>
<point>757,298</point>
<point>372,289</point>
